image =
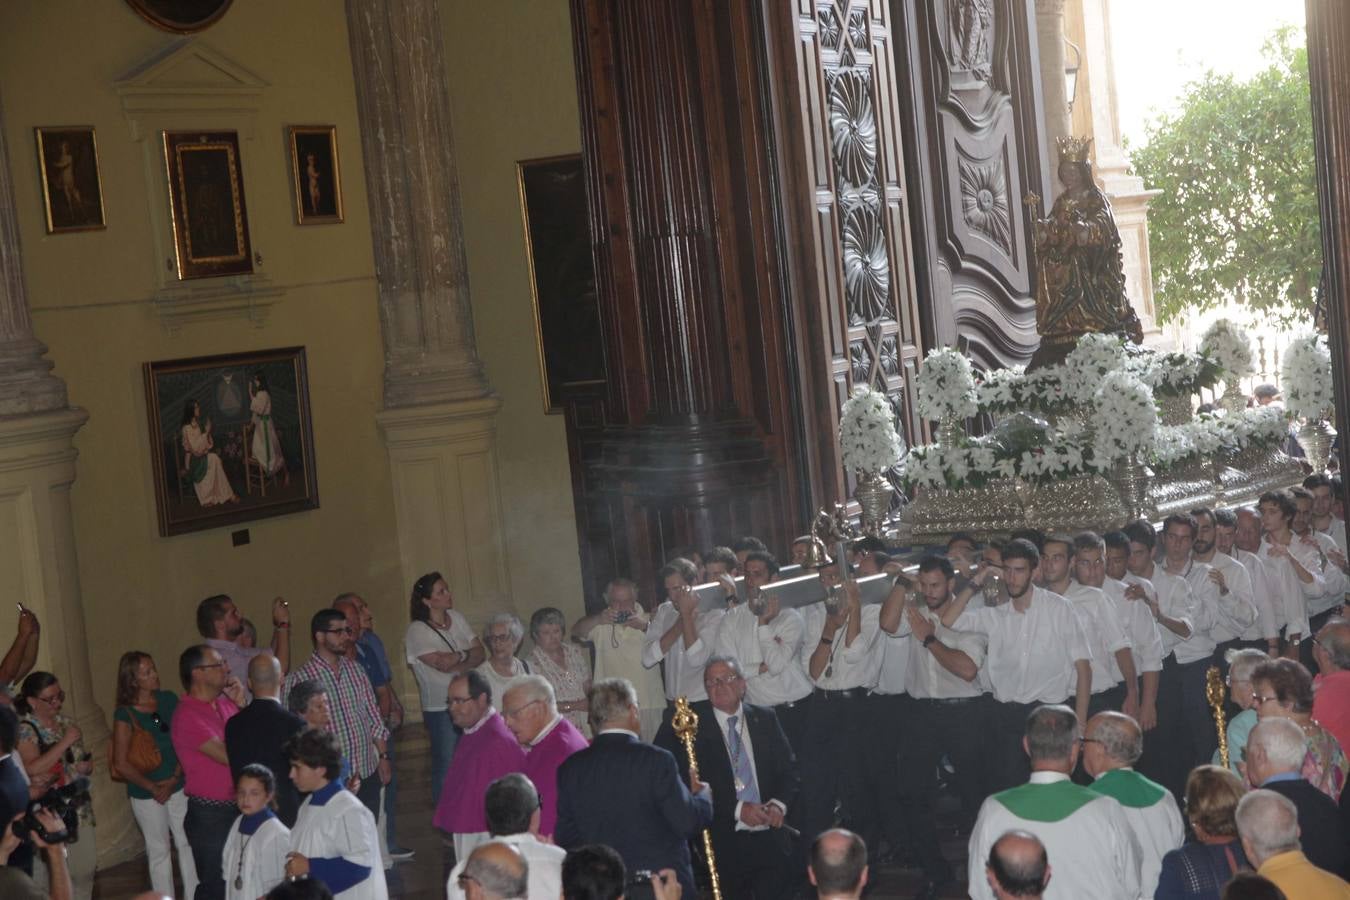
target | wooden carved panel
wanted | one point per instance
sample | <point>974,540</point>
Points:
<point>844,182</point>
<point>974,149</point>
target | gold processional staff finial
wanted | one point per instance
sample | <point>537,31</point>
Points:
<point>1214,692</point>
<point>685,723</point>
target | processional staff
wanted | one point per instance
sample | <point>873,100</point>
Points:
<point>1215,694</point>
<point>685,723</point>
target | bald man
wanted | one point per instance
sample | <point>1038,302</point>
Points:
<point>495,871</point>
<point>258,732</point>
<point>1112,745</point>
<point>1018,866</point>
<point>838,866</point>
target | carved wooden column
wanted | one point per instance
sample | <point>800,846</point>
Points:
<point>1328,30</point>
<point>439,415</point>
<point>689,441</point>
<point>37,551</point>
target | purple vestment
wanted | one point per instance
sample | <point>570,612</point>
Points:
<point>480,759</point>
<point>541,766</point>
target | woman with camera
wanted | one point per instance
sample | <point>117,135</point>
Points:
<point>502,636</point>
<point>54,757</point>
<point>562,663</point>
<point>143,757</point>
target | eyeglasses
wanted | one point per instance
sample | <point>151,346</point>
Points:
<point>512,713</point>
<point>60,697</point>
<point>723,681</point>
<point>343,630</point>
<point>1084,741</point>
<point>456,701</point>
<point>464,882</point>
<point>494,638</point>
<point>163,726</point>
<point>1258,699</point>
<point>219,665</point>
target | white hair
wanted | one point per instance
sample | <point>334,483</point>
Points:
<point>531,688</point>
<point>1242,661</point>
<point>1268,823</point>
<point>1283,743</point>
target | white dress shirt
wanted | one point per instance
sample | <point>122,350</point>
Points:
<point>684,665</point>
<point>1136,621</point>
<point>544,862</point>
<point>1093,852</point>
<point>1205,609</point>
<point>1176,601</point>
<point>1235,611</point>
<point>1267,624</point>
<point>1104,634</point>
<point>1031,654</point>
<point>1291,595</point>
<point>1336,531</point>
<point>1333,579</point>
<point>928,679</point>
<point>774,646</point>
<point>851,665</point>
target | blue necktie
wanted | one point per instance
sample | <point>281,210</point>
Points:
<point>740,764</point>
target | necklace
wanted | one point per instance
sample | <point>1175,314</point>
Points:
<point>834,645</point>
<point>239,873</point>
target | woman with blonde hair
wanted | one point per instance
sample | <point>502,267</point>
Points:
<point>1199,870</point>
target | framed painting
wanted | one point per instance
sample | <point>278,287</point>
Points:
<point>562,275</point>
<point>206,200</point>
<point>72,193</point>
<point>230,438</point>
<point>180,16</point>
<point>315,174</point>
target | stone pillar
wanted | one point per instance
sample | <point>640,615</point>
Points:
<point>439,410</point>
<point>38,563</point>
<point>1050,46</point>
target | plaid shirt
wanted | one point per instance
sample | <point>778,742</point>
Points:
<point>356,715</point>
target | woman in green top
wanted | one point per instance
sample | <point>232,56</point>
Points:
<point>157,798</point>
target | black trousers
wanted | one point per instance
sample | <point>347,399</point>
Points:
<point>889,726</point>
<point>1185,736</point>
<point>1008,765</point>
<point>954,728</point>
<point>369,793</point>
<point>792,716</point>
<point>757,865</point>
<point>207,825</point>
<point>833,762</point>
<point>1113,698</point>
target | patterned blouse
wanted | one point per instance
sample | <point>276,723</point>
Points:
<point>1325,765</point>
<point>569,682</point>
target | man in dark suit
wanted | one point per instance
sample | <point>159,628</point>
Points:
<point>13,786</point>
<point>745,757</point>
<point>627,794</point>
<point>258,732</point>
<point>1275,751</point>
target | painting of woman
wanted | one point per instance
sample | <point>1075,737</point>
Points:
<point>266,448</point>
<point>203,464</point>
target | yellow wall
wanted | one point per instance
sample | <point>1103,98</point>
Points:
<point>90,296</point>
<point>513,95</point>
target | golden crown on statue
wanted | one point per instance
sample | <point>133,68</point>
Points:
<point>1073,149</point>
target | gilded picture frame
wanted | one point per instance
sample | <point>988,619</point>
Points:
<point>72,189</point>
<point>206,204</point>
<point>562,275</point>
<point>315,174</point>
<point>231,438</point>
<point>181,16</point>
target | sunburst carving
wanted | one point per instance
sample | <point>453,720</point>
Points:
<point>984,201</point>
<point>831,29</point>
<point>867,271</point>
<point>853,127</point>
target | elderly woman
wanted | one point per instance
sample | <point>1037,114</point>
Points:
<point>502,637</point>
<point>562,663</point>
<point>1199,870</point>
<point>617,633</point>
<point>1283,688</point>
<point>1240,666</point>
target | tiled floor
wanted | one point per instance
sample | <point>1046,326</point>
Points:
<point>424,877</point>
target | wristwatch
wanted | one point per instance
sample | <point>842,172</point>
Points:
<point>929,641</point>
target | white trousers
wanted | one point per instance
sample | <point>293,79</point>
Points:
<point>158,822</point>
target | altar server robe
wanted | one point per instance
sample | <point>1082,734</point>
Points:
<point>342,827</point>
<point>264,863</point>
<point>1091,848</point>
<point>484,753</point>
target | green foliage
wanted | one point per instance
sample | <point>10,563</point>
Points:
<point>1237,218</point>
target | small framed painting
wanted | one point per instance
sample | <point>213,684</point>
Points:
<point>206,199</point>
<point>72,194</point>
<point>315,174</point>
<point>180,16</point>
<point>230,438</point>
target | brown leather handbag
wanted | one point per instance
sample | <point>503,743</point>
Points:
<point>142,753</point>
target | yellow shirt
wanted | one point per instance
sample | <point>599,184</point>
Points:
<point>1299,878</point>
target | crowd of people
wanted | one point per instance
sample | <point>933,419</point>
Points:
<point>1053,685</point>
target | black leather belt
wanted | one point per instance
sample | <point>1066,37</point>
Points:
<point>948,700</point>
<point>843,694</point>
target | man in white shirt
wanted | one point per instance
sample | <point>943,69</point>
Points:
<point>1236,611</point>
<point>1111,746</point>
<point>1332,567</point>
<point>1089,841</point>
<point>767,641</point>
<point>1264,633</point>
<point>512,806</point>
<point>1293,567</point>
<point>946,709</point>
<point>838,655</point>
<point>681,635</point>
<point>1115,684</point>
<point>1037,647</point>
<point>1323,494</point>
<point>1091,567</point>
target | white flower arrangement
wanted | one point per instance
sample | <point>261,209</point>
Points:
<point>1262,426</point>
<point>1305,376</point>
<point>1174,374</point>
<point>1095,356</point>
<point>868,440</point>
<point>1124,417</point>
<point>946,385</point>
<point>1228,344</point>
<point>974,465</point>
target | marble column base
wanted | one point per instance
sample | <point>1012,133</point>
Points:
<point>447,504</point>
<point>40,568</point>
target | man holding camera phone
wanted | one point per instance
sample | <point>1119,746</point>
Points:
<point>14,884</point>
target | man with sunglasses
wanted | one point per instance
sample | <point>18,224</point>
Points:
<point>356,713</point>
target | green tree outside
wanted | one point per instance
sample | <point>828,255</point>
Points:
<point>1237,218</point>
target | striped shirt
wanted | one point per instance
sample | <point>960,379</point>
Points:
<point>356,714</point>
